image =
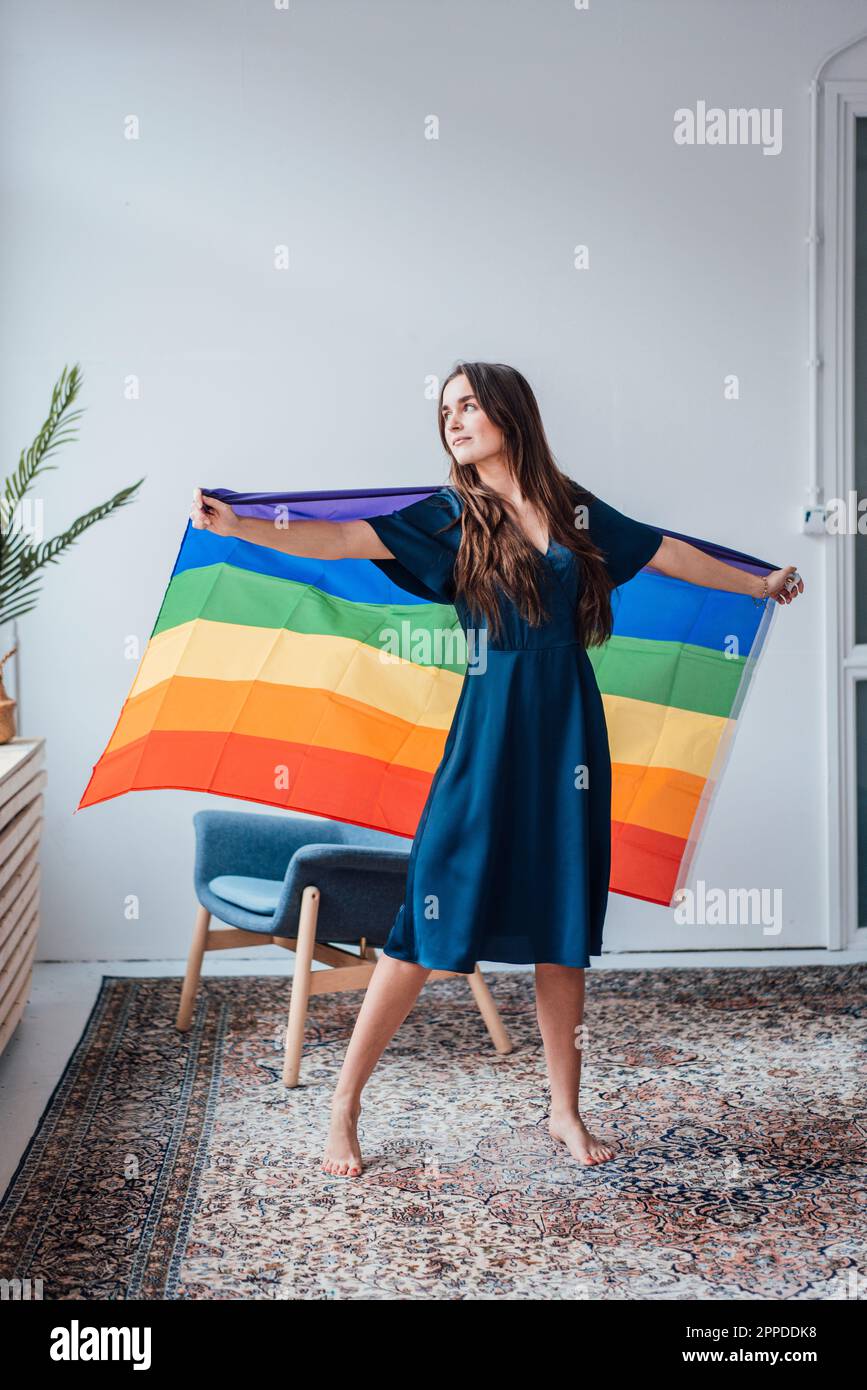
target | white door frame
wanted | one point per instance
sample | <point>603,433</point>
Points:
<point>843,101</point>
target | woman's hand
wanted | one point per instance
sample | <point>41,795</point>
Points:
<point>785,584</point>
<point>210,514</point>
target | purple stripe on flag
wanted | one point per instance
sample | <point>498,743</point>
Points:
<point>356,504</point>
<point>322,506</point>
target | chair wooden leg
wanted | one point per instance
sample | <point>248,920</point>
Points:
<point>306,941</point>
<point>194,969</point>
<point>489,1011</point>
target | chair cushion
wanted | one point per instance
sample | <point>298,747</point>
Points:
<point>253,894</point>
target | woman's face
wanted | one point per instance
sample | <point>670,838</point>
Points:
<point>470,435</point>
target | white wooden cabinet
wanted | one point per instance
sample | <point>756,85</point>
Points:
<point>22,781</point>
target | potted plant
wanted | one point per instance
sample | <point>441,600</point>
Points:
<point>23,554</point>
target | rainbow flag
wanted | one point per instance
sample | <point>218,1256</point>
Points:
<point>264,679</point>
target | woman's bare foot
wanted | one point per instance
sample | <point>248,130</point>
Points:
<point>342,1155</point>
<point>571,1130</point>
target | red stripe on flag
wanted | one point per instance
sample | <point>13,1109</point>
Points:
<point>321,781</point>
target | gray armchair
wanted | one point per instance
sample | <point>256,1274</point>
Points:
<point>313,886</point>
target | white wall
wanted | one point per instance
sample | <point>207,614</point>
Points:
<point>154,257</point>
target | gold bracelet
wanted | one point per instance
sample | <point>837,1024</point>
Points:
<point>759,601</point>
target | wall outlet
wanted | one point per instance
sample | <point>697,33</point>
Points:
<point>814,521</point>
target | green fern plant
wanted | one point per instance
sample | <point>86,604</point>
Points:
<point>22,564</point>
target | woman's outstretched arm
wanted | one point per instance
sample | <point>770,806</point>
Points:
<point>316,540</point>
<point>681,560</point>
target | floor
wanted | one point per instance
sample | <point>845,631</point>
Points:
<point>63,995</point>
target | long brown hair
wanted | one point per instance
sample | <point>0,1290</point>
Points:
<point>494,552</point>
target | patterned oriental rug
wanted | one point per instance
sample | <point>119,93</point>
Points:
<point>178,1166</point>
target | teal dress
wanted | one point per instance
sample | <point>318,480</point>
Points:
<point>512,854</point>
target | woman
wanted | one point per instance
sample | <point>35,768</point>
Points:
<point>511,857</point>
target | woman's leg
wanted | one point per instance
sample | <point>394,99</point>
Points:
<point>391,993</point>
<point>560,1011</point>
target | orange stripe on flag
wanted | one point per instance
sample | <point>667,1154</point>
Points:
<point>268,711</point>
<point>657,798</point>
